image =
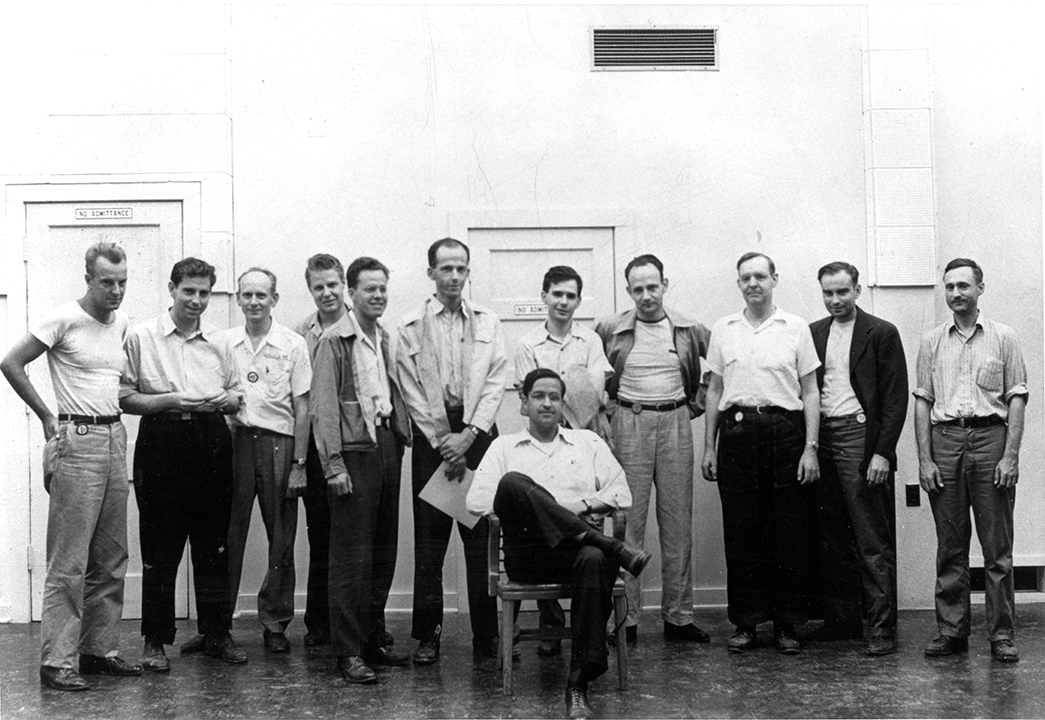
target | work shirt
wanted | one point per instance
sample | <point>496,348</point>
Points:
<point>311,329</point>
<point>273,374</point>
<point>449,337</point>
<point>974,376</point>
<point>763,365</point>
<point>837,399</point>
<point>575,466</point>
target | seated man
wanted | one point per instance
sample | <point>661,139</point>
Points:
<point>551,487</point>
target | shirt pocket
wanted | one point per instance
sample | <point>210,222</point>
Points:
<point>990,375</point>
<point>277,378</point>
<point>353,424</point>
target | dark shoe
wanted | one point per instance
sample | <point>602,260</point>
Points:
<point>943,645</point>
<point>632,559</point>
<point>354,670</point>
<point>486,647</point>
<point>549,648</point>
<point>833,631</point>
<point>744,639</point>
<point>1004,651</point>
<point>427,652</point>
<point>689,632</point>
<point>154,659</point>
<point>385,656</point>
<point>95,665</point>
<point>577,703</point>
<point>877,646</point>
<point>195,644</point>
<point>62,679</point>
<point>276,642</point>
<point>315,639</point>
<point>631,633</point>
<point>224,648</point>
<point>786,642</point>
<point>387,640</point>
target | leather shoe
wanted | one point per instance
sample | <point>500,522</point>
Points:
<point>385,656</point>
<point>354,670</point>
<point>62,679</point>
<point>315,639</point>
<point>224,648</point>
<point>195,644</point>
<point>276,642</point>
<point>97,665</point>
<point>154,659</point>
<point>943,645</point>
<point>632,559</point>
<point>427,652</point>
<point>832,631</point>
<point>786,642</point>
<point>549,648</point>
<point>688,632</point>
<point>744,639</point>
<point>577,703</point>
<point>877,646</point>
<point>1004,651</point>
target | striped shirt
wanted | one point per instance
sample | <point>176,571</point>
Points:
<point>974,376</point>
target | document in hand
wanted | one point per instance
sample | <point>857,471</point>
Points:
<point>449,495</point>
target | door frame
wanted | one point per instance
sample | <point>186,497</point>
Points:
<point>15,512</point>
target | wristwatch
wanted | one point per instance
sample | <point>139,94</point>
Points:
<point>813,444</point>
<point>475,430</point>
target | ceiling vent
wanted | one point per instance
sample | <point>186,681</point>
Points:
<point>654,48</point>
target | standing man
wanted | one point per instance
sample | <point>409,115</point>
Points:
<point>325,278</point>
<point>575,353</point>
<point>87,514</point>
<point>764,412</point>
<point>863,406</point>
<point>453,370</point>
<point>361,426</point>
<point>551,487</point>
<point>180,375</point>
<point>655,353</point>
<point>968,413</point>
<point>270,441</point>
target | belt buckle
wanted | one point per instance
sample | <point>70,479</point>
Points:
<point>636,408</point>
<point>760,409</point>
<point>82,429</point>
<point>861,418</point>
<point>739,416</point>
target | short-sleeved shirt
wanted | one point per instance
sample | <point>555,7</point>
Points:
<point>85,357</point>
<point>273,374</point>
<point>974,376</point>
<point>580,348</point>
<point>652,371</point>
<point>158,359</point>
<point>763,365</point>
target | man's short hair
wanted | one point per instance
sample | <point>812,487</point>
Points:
<point>646,259</point>
<point>110,251</point>
<point>752,255</point>
<point>320,262</point>
<point>271,276</point>
<point>977,271</point>
<point>539,374</point>
<point>360,265</point>
<point>838,266</point>
<point>191,267</point>
<point>446,242</point>
<point>562,273</point>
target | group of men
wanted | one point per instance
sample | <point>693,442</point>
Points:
<point>801,429</point>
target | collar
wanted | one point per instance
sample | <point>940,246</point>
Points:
<point>574,332</point>
<point>274,337</point>
<point>208,333</point>
<point>777,316</point>
<point>981,323</point>
<point>626,320</point>
<point>437,307</point>
<point>564,434</point>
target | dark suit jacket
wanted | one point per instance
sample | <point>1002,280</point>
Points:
<point>878,374</point>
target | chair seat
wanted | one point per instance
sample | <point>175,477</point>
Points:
<point>508,589</point>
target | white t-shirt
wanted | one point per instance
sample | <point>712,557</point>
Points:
<point>86,358</point>
<point>838,398</point>
<point>652,371</point>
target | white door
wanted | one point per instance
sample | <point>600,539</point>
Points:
<point>56,237</point>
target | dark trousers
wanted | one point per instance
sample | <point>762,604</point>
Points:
<point>364,534</point>
<point>540,546</point>
<point>765,515</point>
<point>432,530</point>
<point>317,524</point>
<point>857,533</point>
<point>183,485</point>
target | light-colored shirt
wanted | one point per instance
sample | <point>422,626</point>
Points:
<point>763,365</point>
<point>85,357</point>
<point>837,399</point>
<point>273,374</point>
<point>652,372</point>
<point>158,359</point>
<point>310,329</point>
<point>373,378</point>
<point>448,339</point>
<point>576,465</point>
<point>974,376</point>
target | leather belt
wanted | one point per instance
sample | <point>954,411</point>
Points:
<point>759,410</point>
<point>660,407</point>
<point>975,422</point>
<point>384,422</point>
<point>89,419</point>
<point>177,415</point>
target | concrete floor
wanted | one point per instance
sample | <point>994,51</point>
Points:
<point>668,680</point>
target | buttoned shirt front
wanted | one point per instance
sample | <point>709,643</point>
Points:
<point>763,365</point>
<point>273,374</point>
<point>372,364</point>
<point>970,376</point>
<point>448,348</point>
<point>576,465</point>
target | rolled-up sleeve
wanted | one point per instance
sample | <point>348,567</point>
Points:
<point>924,371</point>
<point>131,365</point>
<point>487,478</point>
<point>1015,367</point>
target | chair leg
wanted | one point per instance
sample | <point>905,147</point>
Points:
<point>507,636</point>
<point>620,613</point>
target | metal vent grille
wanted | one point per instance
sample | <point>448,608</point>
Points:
<point>654,49</point>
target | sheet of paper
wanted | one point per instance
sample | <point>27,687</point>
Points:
<point>449,495</point>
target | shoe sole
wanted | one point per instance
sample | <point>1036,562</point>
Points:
<point>1004,659</point>
<point>740,650</point>
<point>153,669</point>
<point>789,651</point>
<point>880,653</point>
<point>425,661</point>
<point>76,688</point>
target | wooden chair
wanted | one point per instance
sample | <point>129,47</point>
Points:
<point>513,593</point>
